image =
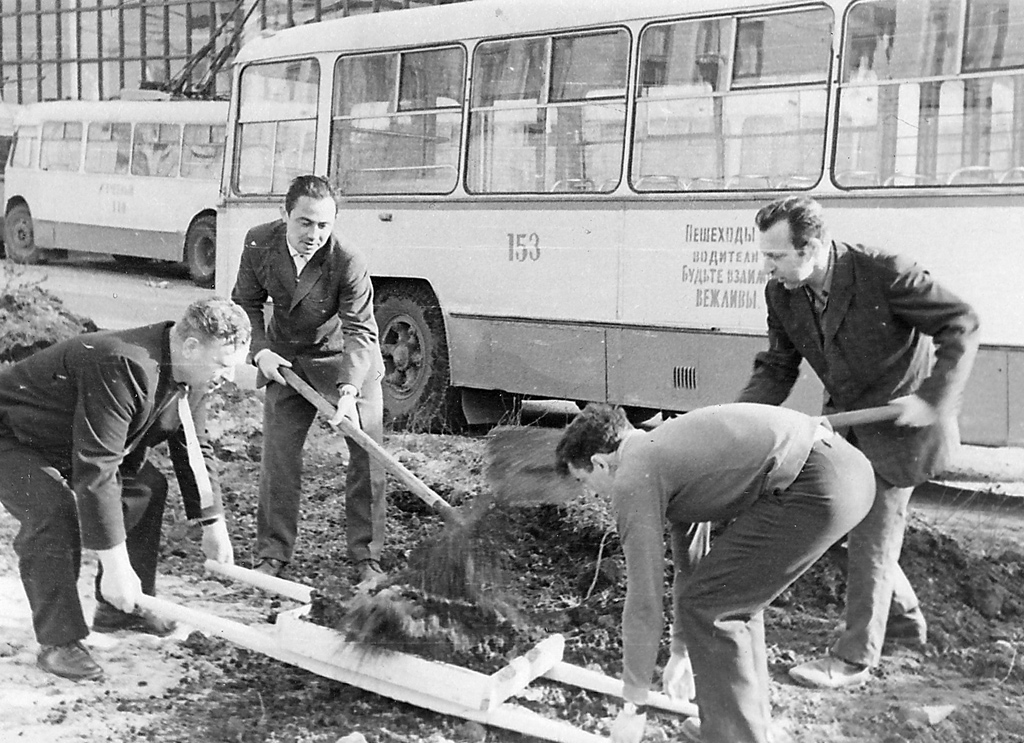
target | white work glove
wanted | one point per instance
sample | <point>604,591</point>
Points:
<point>628,727</point>
<point>677,678</point>
<point>217,543</point>
<point>915,411</point>
<point>346,408</point>
<point>269,362</point>
<point>119,585</point>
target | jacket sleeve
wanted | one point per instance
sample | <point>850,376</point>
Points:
<point>250,294</point>
<point>916,299</point>
<point>111,391</point>
<point>775,370</point>
<point>178,448</point>
<point>358,325</point>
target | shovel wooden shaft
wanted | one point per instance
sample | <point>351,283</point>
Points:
<point>375,450</point>
<point>863,416</point>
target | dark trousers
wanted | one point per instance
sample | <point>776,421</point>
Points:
<point>49,545</point>
<point>765,549</point>
<point>287,417</point>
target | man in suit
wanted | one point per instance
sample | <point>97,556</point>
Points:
<point>877,329</point>
<point>789,487</point>
<point>322,327</point>
<point>76,421</point>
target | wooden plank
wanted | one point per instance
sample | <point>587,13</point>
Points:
<point>518,674</point>
<point>457,685</point>
<point>507,716</point>
<point>584,678</point>
<point>269,583</point>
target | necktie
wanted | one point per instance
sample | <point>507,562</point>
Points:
<point>195,454</point>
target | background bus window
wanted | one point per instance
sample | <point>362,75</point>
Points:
<point>24,147</point>
<point>915,110</point>
<point>568,138</point>
<point>765,130</point>
<point>398,122</point>
<point>61,145</point>
<point>157,150</point>
<point>277,125</point>
<point>108,147</point>
<point>202,151</point>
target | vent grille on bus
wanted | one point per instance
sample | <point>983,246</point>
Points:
<point>684,378</point>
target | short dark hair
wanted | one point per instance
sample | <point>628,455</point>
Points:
<point>314,186</point>
<point>803,214</point>
<point>215,319</point>
<point>599,429</point>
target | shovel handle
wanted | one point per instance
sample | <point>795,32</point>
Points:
<point>375,450</point>
<point>865,415</point>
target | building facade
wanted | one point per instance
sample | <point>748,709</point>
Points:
<point>94,49</point>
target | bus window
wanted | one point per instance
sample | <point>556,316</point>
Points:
<point>914,110</point>
<point>276,125</point>
<point>61,146</point>
<point>23,148</point>
<point>569,136</point>
<point>108,147</point>
<point>202,152</point>
<point>763,127</point>
<point>157,150</point>
<point>398,122</point>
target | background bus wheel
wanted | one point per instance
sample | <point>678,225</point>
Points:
<point>417,395</point>
<point>19,236</point>
<point>201,251</point>
<point>636,415</point>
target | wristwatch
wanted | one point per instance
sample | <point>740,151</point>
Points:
<point>348,390</point>
<point>634,709</point>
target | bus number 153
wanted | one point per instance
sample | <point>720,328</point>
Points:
<point>522,246</point>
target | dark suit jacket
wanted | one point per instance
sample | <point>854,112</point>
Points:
<point>92,406</point>
<point>889,331</point>
<point>323,322</point>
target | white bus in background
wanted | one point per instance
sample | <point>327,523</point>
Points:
<point>8,112</point>
<point>137,179</point>
<point>557,198</point>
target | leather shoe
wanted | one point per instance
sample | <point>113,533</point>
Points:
<point>71,661</point>
<point>907,629</point>
<point>111,619</point>
<point>369,573</point>
<point>270,566</point>
<point>830,672</point>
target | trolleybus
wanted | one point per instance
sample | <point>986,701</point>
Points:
<point>138,179</point>
<point>557,199</point>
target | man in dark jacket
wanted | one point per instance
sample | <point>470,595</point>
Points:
<point>76,421</point>
<point>322,327</point>
<point>877,329</point>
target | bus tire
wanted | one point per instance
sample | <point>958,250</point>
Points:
<point>417,391</point>
<point>20,237</point>
<point>201,251</point>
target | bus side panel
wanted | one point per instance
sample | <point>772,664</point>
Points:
<point>679,370</point>
<point>564,361</point>
<point>985,417</point>
<point>117,240</point>
<point>1015,384</point>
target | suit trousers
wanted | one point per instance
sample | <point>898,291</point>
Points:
<point>287,417</point>
<point>876,586</point>
<point>756,557</point>
<point>48,543</point>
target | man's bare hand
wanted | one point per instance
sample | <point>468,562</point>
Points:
<point>269,362</point>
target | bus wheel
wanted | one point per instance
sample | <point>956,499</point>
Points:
<point>637,415</point>
<point>20,237</point>
<point>417,395</point>
<point>201,251</point>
